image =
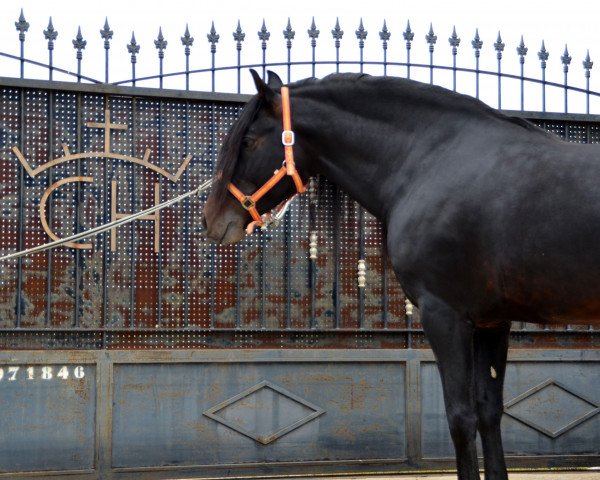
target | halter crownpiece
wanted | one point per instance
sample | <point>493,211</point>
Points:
<point>288,168</point>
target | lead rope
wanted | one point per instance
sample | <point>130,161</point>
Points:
<point>107,226</point>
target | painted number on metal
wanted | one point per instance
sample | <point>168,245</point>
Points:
<point>10,374</point>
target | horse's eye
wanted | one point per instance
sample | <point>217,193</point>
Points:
<point>248,142</point>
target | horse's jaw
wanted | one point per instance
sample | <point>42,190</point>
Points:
<point>225,225</point>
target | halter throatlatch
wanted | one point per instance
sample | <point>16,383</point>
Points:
<point>288,168</point>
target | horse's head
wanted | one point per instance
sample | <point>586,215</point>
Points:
<point>252,151</point>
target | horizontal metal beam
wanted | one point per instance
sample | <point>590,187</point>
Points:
<point>107,89</point>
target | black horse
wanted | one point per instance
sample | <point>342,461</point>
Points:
<point>489,219</point>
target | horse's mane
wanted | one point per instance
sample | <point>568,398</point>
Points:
<point>230,150</point>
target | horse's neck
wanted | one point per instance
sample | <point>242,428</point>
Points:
<point>361,148</point>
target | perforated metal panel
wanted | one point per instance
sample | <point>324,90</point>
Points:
<point>157,283</point>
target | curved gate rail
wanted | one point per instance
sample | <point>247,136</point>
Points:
<point>332,352</point>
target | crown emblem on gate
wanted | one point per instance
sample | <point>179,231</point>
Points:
<point>108,126</point>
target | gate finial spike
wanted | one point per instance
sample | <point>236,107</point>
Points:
<point>22,25</point>
<point>587,63</point>
<point>50,34</point>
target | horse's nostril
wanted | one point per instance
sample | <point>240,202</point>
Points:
<point>204,222</point>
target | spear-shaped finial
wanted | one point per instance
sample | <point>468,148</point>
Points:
<point>522,50</point>
<point>238,36</point>
<point>264,35</point>
<point>566,59</point>
<point>337,33</point>
<point>499,47</point>
<point>106,33</point>
<point>384,35</point>
<point>160,43</point>
<point>213,38</point>
<point>313,33</point>
<point>50,34</point>
<point>289,34</point>
<point>361,34</point>
<point>79,43</point>
<point>454,41</point>
<point>22,26</point>
<point>431,38</point>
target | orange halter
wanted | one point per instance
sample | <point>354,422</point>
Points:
<point>288,168</point>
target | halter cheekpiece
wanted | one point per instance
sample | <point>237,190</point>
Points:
<point>288,168</point>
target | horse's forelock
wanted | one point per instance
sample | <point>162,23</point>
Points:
<point>230,150</point>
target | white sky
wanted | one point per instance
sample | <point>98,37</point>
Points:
<point>575,22</point>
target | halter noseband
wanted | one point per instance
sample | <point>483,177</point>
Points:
<point>288,168</point>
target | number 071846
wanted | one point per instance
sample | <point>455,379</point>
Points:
<point>41,372</point>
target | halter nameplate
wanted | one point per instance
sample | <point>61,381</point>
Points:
<point>288,139</point>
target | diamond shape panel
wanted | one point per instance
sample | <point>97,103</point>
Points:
<point>264,412</point>
<point>551,408</point>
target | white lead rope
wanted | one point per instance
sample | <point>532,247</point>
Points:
<point>107,226</point>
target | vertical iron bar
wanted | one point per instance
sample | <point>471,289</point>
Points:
<point>337,33</point>
<point>336,255</point>
<point>431,38</point>
<point>313,34</point>
<point>384,282</point>
<point>134,114</point>
<point>106,33</point>
<point>499,47</point>
<point>408,35</point>
<point>477,44</point>
<point>213,38</point>
<point>212,246</point>
<point>587,65</point>
<point>22,26</point>
<point>361,35</point>
<point>288,270</point>
<point>50,34</point>
<point>161,156</point>
<point>454,43</point>
<point>289,35</point>
<point>263,282</point>
<point>543,55</point>
<point>106,253</point>
<point>160,43</point>
<point>361,256</point>
<point>239,37</point>
<point>384,36</point>
<point>21,221</point>
<point>50,151</point>
<point>187,41</point>
<point>78,216</point>
<point>522,51</point>
<point>263,36</point>
<point>566,60</point>
<point>79,44</point>
<point>133,48</point>
<point>186,224</point>
<point>238,282</point>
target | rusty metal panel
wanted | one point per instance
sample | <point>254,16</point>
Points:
<point>48,417</point>
<point>550,409</point>
<point>232,413</point>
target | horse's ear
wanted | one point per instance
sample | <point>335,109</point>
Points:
<point>262,88</point>
<point>273,80</point>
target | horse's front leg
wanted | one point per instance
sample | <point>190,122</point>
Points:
<point>491,347</point>
<point>451,338</point>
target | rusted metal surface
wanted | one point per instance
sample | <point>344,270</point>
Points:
<point>265,285</point>
<point>231,413</point>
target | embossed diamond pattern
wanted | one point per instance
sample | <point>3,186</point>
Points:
<point>264,412</point>
<point>551,408</point>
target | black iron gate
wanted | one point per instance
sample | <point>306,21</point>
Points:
<point>148,353</point>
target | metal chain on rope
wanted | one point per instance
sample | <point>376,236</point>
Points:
<point>107,226</point>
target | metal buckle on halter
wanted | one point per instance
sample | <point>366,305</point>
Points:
<point>248,203</point>
<point>288,138</point>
